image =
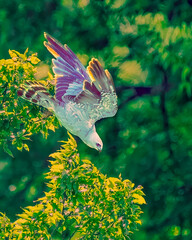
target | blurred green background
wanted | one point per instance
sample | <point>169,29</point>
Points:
<point>147,46</point>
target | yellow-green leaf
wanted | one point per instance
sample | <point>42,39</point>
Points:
<point>138,199</point>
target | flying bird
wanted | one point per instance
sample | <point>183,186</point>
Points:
<point>82,96</point>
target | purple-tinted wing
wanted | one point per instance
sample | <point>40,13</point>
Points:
<point>69,71</point>
<point>99,95</point>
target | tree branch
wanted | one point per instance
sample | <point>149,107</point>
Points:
<point>140,91</point>
<point>164,112</point>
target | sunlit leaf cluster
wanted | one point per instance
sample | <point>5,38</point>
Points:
<point>18,118</point>
<point>82,203</point>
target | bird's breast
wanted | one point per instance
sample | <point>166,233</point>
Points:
<point>73,118</point>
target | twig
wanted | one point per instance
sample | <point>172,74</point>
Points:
<point>140,91</point>
<point>165,116</point>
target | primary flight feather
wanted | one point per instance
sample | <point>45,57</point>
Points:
<point>82,96</point>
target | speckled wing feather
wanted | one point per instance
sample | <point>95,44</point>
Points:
<point>70,74</point>
<point>37,93</point>
<point>99,94</point>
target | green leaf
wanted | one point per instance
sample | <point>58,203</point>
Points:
<point>185,72</point>
<point>26,147</point>
<point>7,150</point>
<point>77,235</point>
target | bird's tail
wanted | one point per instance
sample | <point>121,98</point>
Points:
<point>36,93</point>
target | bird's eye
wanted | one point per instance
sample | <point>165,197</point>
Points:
<point>98,145</point>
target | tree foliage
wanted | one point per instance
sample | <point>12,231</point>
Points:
<point>82,203</point>
<point>18,120</point>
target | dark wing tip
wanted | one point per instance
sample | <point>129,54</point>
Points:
<point>20,92</point>
<point>100,76</point>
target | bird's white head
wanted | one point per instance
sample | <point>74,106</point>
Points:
<point>93,140</point>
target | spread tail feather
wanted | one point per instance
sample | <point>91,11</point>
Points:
<point>36,93</point>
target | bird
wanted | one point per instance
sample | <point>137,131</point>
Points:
<point>82,95</point>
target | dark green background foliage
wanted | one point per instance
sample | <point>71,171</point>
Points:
<point>146,45</point>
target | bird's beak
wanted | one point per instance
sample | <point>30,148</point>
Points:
<point>99,149</point>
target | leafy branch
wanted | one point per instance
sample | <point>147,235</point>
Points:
<point>19,118</point>
<point>82,203</point>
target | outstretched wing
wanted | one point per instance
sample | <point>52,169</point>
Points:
<point>99,95</point>
<point>69,71</point>
<point>93,88</point>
